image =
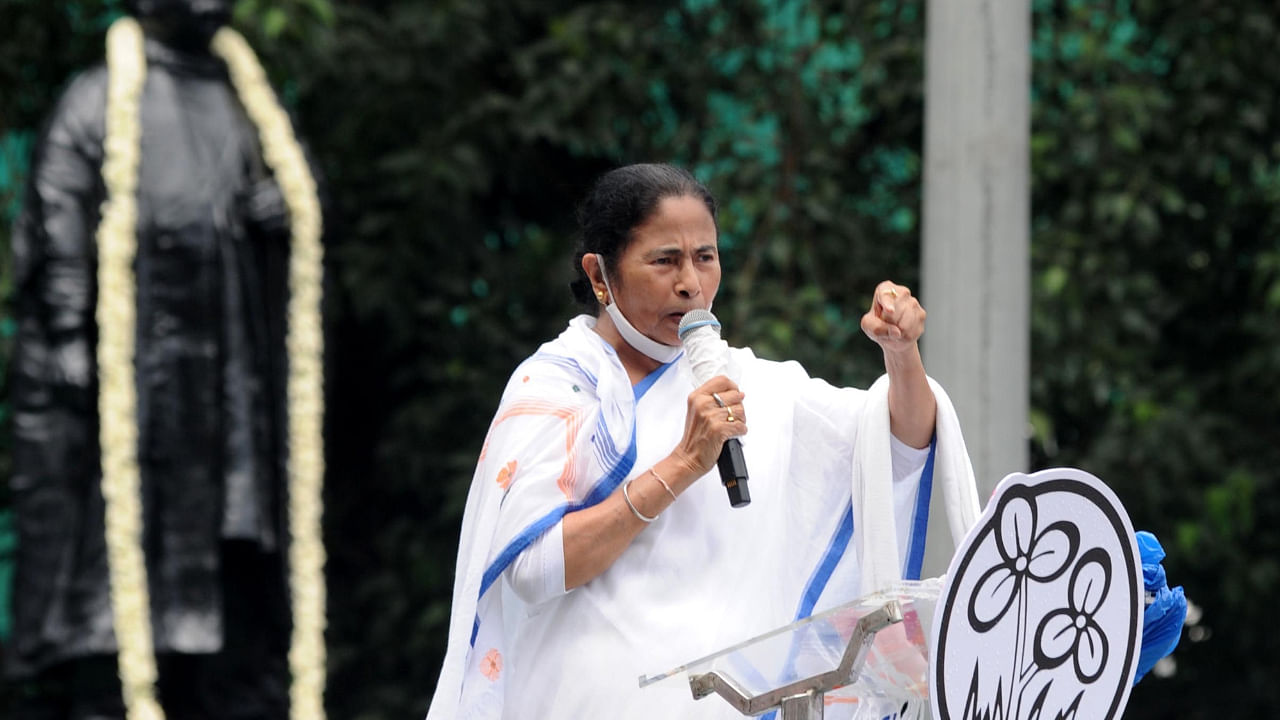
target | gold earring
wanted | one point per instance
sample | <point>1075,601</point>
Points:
<point>600,295</point>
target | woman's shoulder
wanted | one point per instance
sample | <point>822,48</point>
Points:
<point>571,367</point>
<point>544,372</point>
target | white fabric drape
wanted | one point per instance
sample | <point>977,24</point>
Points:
<point>569,429</point>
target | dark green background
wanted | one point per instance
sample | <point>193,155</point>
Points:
<point>456,137</point>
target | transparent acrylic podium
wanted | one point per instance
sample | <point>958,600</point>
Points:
<point>868,658</point>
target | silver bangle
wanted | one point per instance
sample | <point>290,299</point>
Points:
<point>664,483</point>
<point>631,505</point>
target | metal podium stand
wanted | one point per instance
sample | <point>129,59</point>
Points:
<point>791,669</point>
<point>803,699</point>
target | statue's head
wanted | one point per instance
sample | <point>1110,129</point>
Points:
<point>183,24</point>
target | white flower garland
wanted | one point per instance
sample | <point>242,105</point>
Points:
<point>117,395</point>
<point>117,404</point>
<point>304,343</point>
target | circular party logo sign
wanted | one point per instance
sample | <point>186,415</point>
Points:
<point>1040,617</point>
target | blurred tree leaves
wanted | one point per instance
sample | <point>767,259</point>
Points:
<point>1155,342</point>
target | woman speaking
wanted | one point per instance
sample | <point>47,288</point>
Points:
<point>597,543</point>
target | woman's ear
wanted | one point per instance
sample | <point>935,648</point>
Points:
<point>595,274</point>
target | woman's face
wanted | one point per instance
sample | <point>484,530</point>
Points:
<point>671,266</point>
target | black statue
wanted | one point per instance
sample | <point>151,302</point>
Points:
<point>211,263</point>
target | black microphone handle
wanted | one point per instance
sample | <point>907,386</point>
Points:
<point>733,472</point>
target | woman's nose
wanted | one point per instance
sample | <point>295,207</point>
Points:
<point>687,284</point>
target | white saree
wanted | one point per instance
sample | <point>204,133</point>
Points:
<point>571,428</point>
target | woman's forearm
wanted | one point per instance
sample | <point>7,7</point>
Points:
<point>595,537</point>
<point>912,408</point>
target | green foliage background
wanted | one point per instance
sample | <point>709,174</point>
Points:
<point>456,137</point>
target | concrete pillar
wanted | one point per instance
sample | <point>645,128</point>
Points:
<point>976,275</point>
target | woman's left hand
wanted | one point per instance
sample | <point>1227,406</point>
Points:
<point>896,319</point>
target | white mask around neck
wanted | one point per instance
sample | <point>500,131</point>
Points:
<point>636,339</point>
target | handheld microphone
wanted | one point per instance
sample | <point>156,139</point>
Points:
<point>708,356</point>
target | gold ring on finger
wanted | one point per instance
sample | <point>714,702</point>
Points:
<point>730,417</point>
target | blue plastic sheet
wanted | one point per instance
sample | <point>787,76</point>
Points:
<point>1167,610</point>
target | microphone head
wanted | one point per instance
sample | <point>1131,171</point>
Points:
<point>695,319</point>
